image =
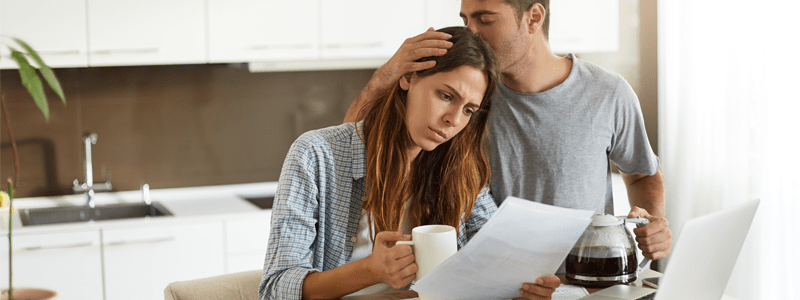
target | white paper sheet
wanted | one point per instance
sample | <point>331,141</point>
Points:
<point>523,241</point>
<point>569,292</point>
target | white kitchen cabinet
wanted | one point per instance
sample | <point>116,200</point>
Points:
<point>140,262</point>
<point>68,263</point>
<point>363,29</point>
<point>146,32</point>
<point>442,13</point>
<point>262,30</point>
<point>246,243</point>
<point>55,29</point>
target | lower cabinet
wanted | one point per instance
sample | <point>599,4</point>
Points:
<point>246,243</point>
<point>135,260</point>
<point>68,263</point>
<point>140,262</point>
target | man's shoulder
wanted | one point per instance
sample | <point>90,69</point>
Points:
<point>603,82</point>
<point>596,73</point>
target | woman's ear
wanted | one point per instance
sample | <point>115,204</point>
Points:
<point>405,81</point>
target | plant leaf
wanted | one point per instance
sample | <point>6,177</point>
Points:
<point>31,81</point>
<point>47,73</point>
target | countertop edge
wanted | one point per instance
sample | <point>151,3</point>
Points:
<point>187,205</point>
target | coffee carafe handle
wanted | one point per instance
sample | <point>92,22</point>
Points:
<point>640,222</point>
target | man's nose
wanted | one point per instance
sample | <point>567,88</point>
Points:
<point>472,27</point>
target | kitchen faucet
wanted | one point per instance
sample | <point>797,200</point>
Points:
<point>89,187</point>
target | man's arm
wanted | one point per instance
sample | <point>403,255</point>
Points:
<point>646,192</point>
<point>647,198</point>
<point>429,43</point>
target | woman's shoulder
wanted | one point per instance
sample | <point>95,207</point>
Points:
<point>327,139</point>
<point>330,134</point>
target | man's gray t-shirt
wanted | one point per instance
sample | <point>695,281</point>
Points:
<point>554,147</point>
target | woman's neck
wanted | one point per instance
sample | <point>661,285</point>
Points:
<point>412,153</point>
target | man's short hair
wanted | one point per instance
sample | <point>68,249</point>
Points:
<point>523,5</point>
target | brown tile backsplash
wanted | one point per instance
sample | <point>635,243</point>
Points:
<point>168,126</point>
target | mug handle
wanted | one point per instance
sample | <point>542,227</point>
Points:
<point>404,243</point>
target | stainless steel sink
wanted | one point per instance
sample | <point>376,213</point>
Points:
<point>264,202</point>
<point>70,214</point>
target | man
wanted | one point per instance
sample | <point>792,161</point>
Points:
<point>556,121</point>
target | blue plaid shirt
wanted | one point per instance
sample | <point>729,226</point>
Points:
<point>318,206</point>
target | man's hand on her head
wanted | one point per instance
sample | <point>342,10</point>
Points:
<point>429,43</point>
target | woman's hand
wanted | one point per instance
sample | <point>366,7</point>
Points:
<point>543,289</point>
<point>392,265</point>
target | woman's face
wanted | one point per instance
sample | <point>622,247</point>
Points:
<point>440,105</point>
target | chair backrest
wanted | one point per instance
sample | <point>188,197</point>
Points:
<point>243,286</point>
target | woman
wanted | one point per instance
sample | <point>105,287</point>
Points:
<point>347,193</point>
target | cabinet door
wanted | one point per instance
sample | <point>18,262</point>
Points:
<point>246,243</point>
<point>442,13</point>
<point>146,32</point>
<point>140,262</point>
<point>55,29</point>
<point>357,29</point>
<point>67,263</point>
<point>262,30</point>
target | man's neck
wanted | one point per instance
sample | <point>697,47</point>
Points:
<point>541,71</point>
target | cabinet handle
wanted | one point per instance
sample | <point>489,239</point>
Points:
<point>144,241</point>
<point>34,248</point>
<point>60,52</point>
<point>278,47</point>
<point>126,51</point>
<point>354,45</point>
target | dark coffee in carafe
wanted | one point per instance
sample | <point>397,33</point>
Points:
<point>602,271</point>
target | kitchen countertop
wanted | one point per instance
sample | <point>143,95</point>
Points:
<point>186,205</point>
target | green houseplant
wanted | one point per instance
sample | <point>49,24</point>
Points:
<point>21,52</point>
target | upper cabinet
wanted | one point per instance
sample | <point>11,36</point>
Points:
<point>146,32</point>
<point>262,30</point>
<point>358,29</point>
<point>442,13</point>
<point>279,34</point>
<point>56,29</point>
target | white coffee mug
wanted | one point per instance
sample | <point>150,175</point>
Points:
<point>432,244</point>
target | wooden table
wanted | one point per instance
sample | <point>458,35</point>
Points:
<point>413,294</point>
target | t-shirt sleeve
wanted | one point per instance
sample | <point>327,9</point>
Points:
<point>630,148</point>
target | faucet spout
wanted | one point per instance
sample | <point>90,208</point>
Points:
<point>89,139</point>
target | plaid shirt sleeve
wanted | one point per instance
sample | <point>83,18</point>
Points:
<point>483,210</point>
<point>294,220</point>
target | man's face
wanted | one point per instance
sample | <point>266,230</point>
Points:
<point>496,22</point>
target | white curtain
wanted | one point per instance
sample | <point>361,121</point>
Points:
<point>729,128</point>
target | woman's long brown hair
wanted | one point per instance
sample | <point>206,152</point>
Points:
<point>444,183</point>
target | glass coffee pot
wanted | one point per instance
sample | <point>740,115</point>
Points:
<point>605,254</point>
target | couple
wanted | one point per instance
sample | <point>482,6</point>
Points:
<point>347,193</point>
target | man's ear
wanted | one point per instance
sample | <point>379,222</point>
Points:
<point>534,17</point>
<point>405,81</point>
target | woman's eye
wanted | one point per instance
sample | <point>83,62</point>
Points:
<point>469,111</point>
<point>444,96</point>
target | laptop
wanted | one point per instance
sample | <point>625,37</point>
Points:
<point>710,245</point>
